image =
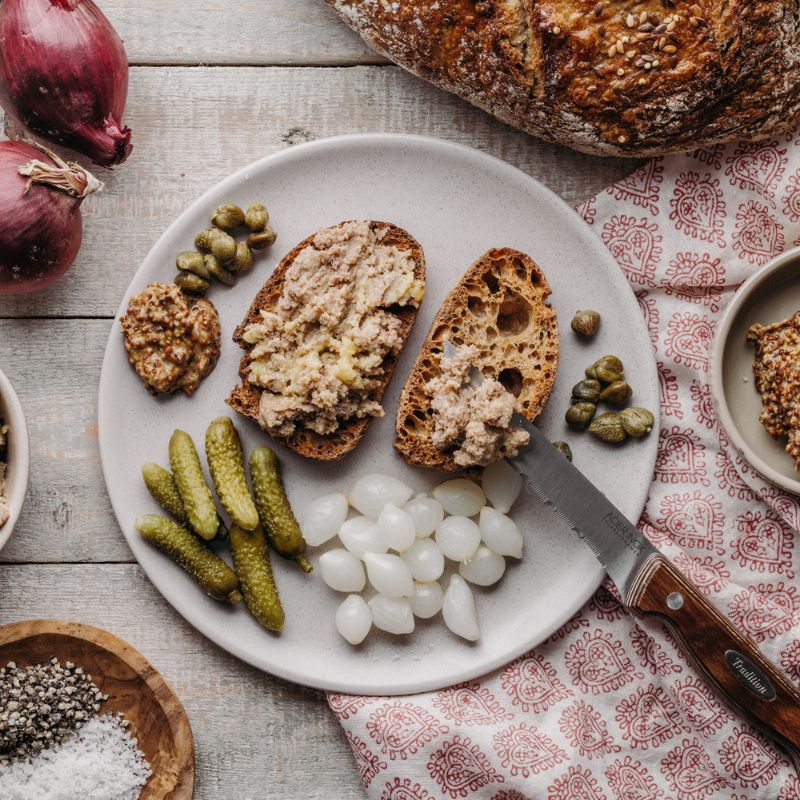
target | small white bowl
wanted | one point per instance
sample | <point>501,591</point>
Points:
<point>771,295</point>
<point>18,455</point>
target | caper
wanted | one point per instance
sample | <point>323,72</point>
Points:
<point>215,270</point>
<point>606,370</point>
<point>608,427</point>
<point>256,217</point>
<point>587,390</point>
<point>262,239</point>
<point>586,323</point>
<point>223,247</point>
<point>227,217</point>
<point>637,421</point>
<point>564,449</point>
<point>579,415</point>
<point>616,394</point>
<point>191,283</point>
<point>243,260</point>
<point>204,239</point>
<point>192,261</point>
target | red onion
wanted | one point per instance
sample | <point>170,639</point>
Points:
<point>40,217</point>
<point>64,75</point>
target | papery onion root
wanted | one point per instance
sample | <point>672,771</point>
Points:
<point>70,177</point>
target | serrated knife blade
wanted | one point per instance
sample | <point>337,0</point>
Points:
<point>619,546</point>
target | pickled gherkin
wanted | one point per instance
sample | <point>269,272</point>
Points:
<point>277,517</point>
<point>164,491</point>
<point>254,570</point>
<point>225,460</point>
<point>191,482</point>
<point>189,553</point>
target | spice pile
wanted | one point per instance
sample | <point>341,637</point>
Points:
<point>100,762</point>
<point>42,704</point>
<point>53,744</point>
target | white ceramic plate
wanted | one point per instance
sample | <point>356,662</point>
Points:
<point>771,295</point>
<point>458,203</point>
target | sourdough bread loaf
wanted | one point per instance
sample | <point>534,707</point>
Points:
<point>615,77</point>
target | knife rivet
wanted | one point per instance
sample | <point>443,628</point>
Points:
<point>675,601</point>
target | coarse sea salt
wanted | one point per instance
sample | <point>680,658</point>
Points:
<point>99,762</point>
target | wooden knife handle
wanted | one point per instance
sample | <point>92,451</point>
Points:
<point>729,659</point>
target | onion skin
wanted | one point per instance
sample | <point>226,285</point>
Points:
<point>64,76</point>
<point>40,226</point>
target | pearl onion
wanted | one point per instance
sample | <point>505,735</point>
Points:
<point>323,518</point>
<point>353,619</point>
<point>342,571</point>
<point>391,614</point>
<point>500,533</point>
<point>458,537</point>
<point>484,568</point>
<point>396,528</point>
<point>425,560</point>
<point>372,492</point>
<point>502,484</point>
<point>389,575</point>
<point>460,497</point>
<point>360,536</point>
<point>427,513</point>
<point>458,609</point>
<point>427,600</point>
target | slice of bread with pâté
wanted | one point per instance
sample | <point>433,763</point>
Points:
<point>500,308</point>
<point>245,397</point>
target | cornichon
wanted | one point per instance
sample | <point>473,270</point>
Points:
<point>189,553</point>
<point>164,491</point>
<point>224,453</point>
<point>191,483</point>
<point>253,567</point>
<point>161,485</point>
<point>280,524</point>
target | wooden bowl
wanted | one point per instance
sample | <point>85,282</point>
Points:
<point>134,688</point>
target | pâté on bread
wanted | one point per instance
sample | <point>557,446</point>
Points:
<point>500,309</point>
<point>364,358</point>
<point>608,77</point>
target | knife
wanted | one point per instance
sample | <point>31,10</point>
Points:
<point>651,586</point>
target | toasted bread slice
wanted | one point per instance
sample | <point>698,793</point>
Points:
<point>500,308</point>
<point>245,397</point>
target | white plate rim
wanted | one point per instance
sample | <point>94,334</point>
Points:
<point>297,152</point>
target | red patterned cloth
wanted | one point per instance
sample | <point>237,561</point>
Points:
<point>608,708</point>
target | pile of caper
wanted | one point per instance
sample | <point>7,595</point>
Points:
<point>605,383</point>
<point>219,255</point>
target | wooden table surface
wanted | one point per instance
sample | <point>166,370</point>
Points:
<point>213,86</point>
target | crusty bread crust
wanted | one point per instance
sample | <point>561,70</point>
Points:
<point>245,397</point>
<point>500,308</point>
<point>583,74</point>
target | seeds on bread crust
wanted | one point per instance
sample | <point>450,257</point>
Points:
<point>499,308</point>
